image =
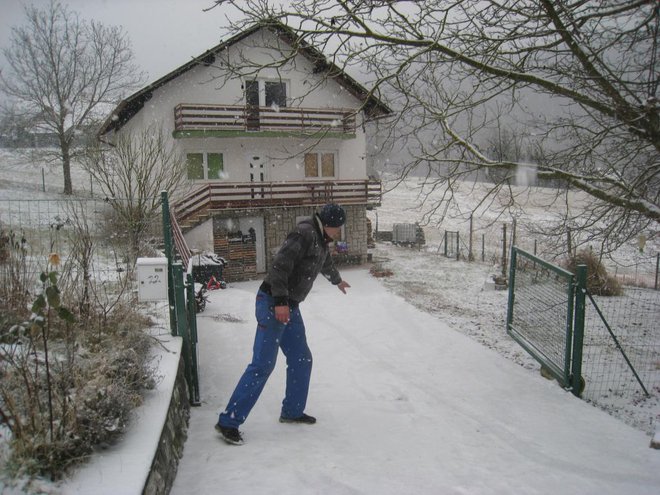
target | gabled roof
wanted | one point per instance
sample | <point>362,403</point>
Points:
<point>133,104</point>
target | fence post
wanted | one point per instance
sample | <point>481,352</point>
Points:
<point>513,233</point>
<point>445,243</point>
<point>192,327</point>
<point>483,247</point>
<point>657,268</point>
<point>169,246</point>
<point>504,250</point>
<point>458,246</point>
<point>470,255</point>
<point>182,324</point>
<point>512,283</point>
<point>577,383</point>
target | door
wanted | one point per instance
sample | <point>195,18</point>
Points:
<point>257,174</point>
<point>252,105</point>
<point>249,225</point>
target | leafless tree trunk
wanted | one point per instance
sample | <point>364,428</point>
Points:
<point>61,69</point>
<point>577,82</point>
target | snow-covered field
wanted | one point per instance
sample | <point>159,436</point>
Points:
<point>405,403</point>
<point>538,207</point>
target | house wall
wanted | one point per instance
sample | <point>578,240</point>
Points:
<point>279,222</point>
<point>284,155</point>
<point>200,239</point>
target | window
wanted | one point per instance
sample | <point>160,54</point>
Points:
<point>205,166</point>
<point>319,164</point>
<point>275,93</point>
<point>265,93</point>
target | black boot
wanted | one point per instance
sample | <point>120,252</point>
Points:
<point>230,435</point>
<point>304,419</point>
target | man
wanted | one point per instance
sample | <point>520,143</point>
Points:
<point>299,260</point>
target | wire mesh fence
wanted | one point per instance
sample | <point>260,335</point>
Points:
<point>539,313</point>
<point>492,244</point>
<point>86,234</point>
<point>621,354</point>
<point>611,357</point>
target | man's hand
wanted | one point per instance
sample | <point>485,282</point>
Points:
<point>342,286</point>
<point>282,314</point>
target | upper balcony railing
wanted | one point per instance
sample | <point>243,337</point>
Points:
<point>238,195</point>
<point>201,118</point>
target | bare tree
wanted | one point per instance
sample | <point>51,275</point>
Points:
<point>62,69</point>
<point>131,174</point>
<point>578,80</point>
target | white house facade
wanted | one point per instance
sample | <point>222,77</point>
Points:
<point>265,143</point>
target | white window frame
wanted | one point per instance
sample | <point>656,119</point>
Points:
<point>205,166</point>
<point>319,164</point>
<point>261,81</point>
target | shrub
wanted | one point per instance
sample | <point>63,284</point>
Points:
<point>599,282</point>
<point>69,384</point>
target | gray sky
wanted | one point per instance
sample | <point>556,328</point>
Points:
<point>164,33</point>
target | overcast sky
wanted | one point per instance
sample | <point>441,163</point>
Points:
<point>164,33</point>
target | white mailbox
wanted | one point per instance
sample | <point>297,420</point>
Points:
<point>152,279</point>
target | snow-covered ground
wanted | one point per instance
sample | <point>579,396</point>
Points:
<point>405,404</point>
<point>416,385</point>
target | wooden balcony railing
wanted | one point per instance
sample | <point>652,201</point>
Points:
<point>197,117</point>
<point>225,195</point>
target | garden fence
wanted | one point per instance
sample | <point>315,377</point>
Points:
<point>493,243</point>
<point>83,232</point>
<point>92,244</point>
<point>602,348</point>
<point>181,295</point>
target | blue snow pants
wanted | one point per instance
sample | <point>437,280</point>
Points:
<point>271,336</point>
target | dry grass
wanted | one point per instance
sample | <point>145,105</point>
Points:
<point>69,379</point>
<point>599,282</point>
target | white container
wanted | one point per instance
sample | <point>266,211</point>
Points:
<point>152,279</point>
<point>404,233</point>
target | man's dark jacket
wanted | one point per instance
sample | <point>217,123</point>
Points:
<point>301,257</point>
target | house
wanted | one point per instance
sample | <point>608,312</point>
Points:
<point>266,144</point>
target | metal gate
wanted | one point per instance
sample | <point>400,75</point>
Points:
<point>181,295</point>
<point>545,315</point>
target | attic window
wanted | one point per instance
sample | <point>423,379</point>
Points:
<point>275,93</point>
<point>266,93</point>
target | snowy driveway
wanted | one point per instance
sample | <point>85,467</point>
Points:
<point>404,405</point>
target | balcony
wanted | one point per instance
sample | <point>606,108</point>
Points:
<point>199,120</point>
<point>201,203</point>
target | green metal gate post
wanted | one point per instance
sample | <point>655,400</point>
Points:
<point>577,383</point>
<point>182,323</point>
<point>169,253</point>
<point>192,327</point>
<point>512,289</point>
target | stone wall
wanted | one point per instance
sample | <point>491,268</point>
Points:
<point>280,221</point>
<point>172,439</point>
